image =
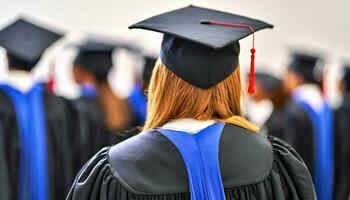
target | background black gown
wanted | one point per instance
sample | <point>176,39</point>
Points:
<point>149,167</point>
<point>342,151</point>
<point>4,171</point>
<point>92,134</point>
<point>10,148</point>
<point>298,132</point>
<point>274,124</point>
<point>60,131</point>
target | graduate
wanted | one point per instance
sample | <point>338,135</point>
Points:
<point>268,87</point>
<point>342,141</point>
<point>195,143</point>
<point>137,98</point>
<point>95,57</point>
<point>90,70</point>
<point>36,124</point>
<point>308,120</point>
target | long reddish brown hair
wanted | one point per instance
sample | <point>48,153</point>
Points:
<point>170,97</point>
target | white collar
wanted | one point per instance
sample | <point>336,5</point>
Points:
<point>188,125</point>
<point>311,94</point>
<point>20,80</point>
<point>259,112</point>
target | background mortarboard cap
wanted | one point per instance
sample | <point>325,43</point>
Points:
<point>25,42</point>
<point>95,46</point>
<point>268,82</point>
<point>200,53</point>
<point>309,66</point>
<point>95,57</point>
<point>115,42</point>
<point>149,63</point>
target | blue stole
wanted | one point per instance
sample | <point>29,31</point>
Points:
<point>138,102</point>
<point>30,113</point>
<point>200,152</point>
<point>322,122</point>
<point>88,90</point>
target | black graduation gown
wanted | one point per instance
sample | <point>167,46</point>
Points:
<point>274,125</point>
<point>298,132</point>
<point>342,151</point>
<point>10,148</point>
<point>92,134</point>
<point>4,171</point>
<point>148,166</point>
<point>60,130</point>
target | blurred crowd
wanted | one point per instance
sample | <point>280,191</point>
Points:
<point>46,138</point>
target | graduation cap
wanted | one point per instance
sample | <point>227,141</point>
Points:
<point>114,42</point>
<point>148,68</point>
<point>201,45</point>
<point>310,67</point>
<point>269,83</point>
<point>25,42</point>
<point>96,57</point>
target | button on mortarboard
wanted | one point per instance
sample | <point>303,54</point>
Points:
<point>25,42</point>
<point>198,51</point>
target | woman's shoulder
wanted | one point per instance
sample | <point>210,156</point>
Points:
<point>156,165</point>
<point>257,161</point>
<point>145,164</point>
<point>245,157</point>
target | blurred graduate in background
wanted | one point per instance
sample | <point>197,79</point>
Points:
<point>102,114</point>
<point>342,140</point>
<point>138,98</point>
<point>37,127</point>
<point>47,138</point>
<point>308,120</point>
<point>268,87</point>
<point>90,71</point>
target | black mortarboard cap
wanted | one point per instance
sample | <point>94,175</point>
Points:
<point>268,82</point>
<point>25,42</point>
<point>201,45</point>
<point>95,57</point>
<point>148,66</point>
<point>310,67</point>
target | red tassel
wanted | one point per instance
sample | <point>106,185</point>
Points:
<point>51,82</point>
<point>251,88</point>
<point>51,86</point>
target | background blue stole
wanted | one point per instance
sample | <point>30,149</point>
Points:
<point>138,102</point>
<point>322,122</point>
<point>88,90</point>
<point>30,113</point>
